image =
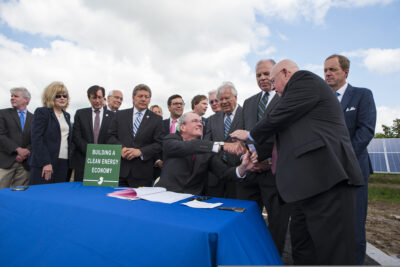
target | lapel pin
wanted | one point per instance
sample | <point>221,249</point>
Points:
<point>147,116</point>
<point>106,115</point>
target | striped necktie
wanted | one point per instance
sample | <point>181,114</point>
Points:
<point>227,125</point>
<point>261,106</point>
<point>137,122</point>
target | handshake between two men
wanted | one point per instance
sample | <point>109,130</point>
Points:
<point>250,156</point>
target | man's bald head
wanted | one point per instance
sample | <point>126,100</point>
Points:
<point>281,74</point>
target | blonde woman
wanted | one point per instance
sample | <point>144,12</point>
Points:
<point>51,135</point>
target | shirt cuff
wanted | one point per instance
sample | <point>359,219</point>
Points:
<point>215,147</point>
<point>238,175</point>
<point>250,138</point>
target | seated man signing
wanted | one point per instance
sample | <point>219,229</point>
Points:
<point>187,158</point>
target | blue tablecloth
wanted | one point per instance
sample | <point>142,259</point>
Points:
<point>69,224</point>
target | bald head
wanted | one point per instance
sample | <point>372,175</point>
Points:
<point>281,74</point>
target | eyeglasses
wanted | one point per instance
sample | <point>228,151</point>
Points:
<point>272,81</point>
<point>64,96</point>
<point>213,101</point>
<point>177,103</point>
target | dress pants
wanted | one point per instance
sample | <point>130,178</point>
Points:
<point>361,218</point>
<point>16,175</point>
<point>322,228</point>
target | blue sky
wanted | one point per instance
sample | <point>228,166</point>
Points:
<point>191,47</point>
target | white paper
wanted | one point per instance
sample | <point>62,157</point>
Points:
<point>201,204</point>
<point>142,191</point>
<point>166,197</point>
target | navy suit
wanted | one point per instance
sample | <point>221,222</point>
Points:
<point>83,135</point>
<point>360,115</point>
<point>46,141</point>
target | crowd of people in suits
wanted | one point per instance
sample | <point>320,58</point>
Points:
<point>298,148</point>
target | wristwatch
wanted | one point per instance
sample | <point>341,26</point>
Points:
<point>221,145</point>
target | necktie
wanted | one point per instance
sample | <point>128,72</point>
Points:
<point>172,129</point>
<point>137,122</point>
<point>227,125</point>
<point>96,126</point>
<point>274,159</point>
<point>22,119</point>
<point>337,94</point>
<point>261,106</point>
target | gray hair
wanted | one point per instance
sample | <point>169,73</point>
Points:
<point>212,92</point>
<point>225,85</point>
<point>112,92</point>
<point>183,118</point>
<point>23,90</point>
<point>265,60</point>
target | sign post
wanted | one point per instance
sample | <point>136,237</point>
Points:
<point>102,165</point>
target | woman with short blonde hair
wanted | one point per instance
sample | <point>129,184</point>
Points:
<point>51,137</point>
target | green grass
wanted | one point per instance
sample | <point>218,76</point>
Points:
<point>384,178</point>
<point>384,194</point>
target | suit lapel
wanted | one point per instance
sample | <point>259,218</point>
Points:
<point>236,120</point>
<point>89,118</point>
<point>144,123</point>
<point>271,105</point>
<point>348,94</point>
<point>220,126</point>
<point>15,116</point>
<point>28,122</point>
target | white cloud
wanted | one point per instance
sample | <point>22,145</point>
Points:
<point>184,47</point>
<point>386,115</point>
<point>383,61</point>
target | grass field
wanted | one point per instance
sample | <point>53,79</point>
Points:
<point>385,188</point>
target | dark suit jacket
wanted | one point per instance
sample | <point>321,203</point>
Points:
<point>148,139</point>
<point>314,148</point>
<point>215,132</point>
<point>82,134</point>
<point>12,136</point>
<point>360,115</point>
<point>166,127</point>
<point>250,115</point>
<point>181,174</point>
<point>264,151</point>
<point>46,137</point>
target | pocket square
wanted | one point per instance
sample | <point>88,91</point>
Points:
<point>350,109</point>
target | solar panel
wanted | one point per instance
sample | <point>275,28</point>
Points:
<point>394,162</point>
<point>378,162</point>
<point>385,155</point>
<point>376,145</point>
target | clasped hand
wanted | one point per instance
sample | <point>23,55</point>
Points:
<point>129,153</point>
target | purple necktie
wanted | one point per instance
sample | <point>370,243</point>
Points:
<point>96,126</point>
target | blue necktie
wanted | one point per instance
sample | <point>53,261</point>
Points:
<point>137,122</point>
<point>227,125</point>
<point>22,119</point>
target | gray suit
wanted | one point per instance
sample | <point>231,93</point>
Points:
<point>12,137</point>
<point>261,187</point>
<point>215,132</point>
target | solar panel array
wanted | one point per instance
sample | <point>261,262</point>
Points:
<point>385,155</point>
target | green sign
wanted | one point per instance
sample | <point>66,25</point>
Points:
<point>102,165</point>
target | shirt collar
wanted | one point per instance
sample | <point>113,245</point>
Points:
<point>342,89</point>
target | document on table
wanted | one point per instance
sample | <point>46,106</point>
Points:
<point>166,197</point>
<point>201,204</point>
<point>156,194</point>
